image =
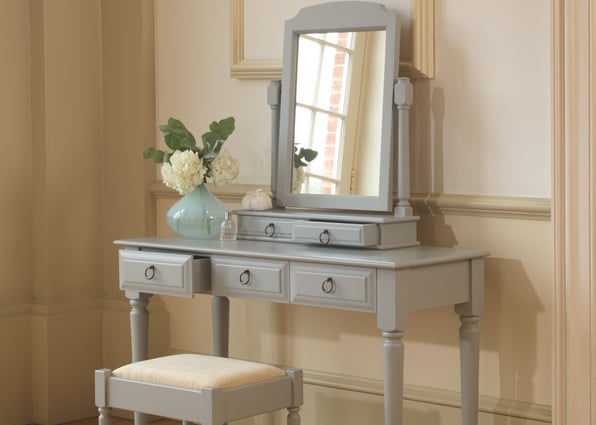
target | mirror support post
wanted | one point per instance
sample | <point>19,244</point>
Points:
<point>403,98</point>
<point>273,99</point>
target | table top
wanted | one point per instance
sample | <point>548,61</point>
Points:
<point>399,258</point>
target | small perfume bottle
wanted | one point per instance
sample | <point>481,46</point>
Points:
<point>229,228</point>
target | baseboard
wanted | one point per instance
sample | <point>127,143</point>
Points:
<point>432,396</point>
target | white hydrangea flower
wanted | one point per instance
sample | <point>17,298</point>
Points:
<point>184,172</point>
<point>224,168</point>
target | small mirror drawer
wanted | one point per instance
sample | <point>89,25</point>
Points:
<point>264,228</point>
<point>350,234</point>
<point>249,278</point>
<point>341,287</point>
<point>163,273</point>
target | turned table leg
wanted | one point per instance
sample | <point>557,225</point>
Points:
<point>469,337</point>
<point>469,343</point>
<point>393,363</point>
<point>139,332</point>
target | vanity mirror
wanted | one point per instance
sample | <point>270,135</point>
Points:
<point>339,68</point>
<point>335,166</point>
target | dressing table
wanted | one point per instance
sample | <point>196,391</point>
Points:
<point>345,250</point>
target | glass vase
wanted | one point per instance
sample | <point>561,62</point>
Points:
<point>197,215</point>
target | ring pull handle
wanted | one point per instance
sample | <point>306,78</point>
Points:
<point>328,286</point>
<point>270,230</point>
<point>324,237</point>
<point>245,277</point>
<point>150,272</point>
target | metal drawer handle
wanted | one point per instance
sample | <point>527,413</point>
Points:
<point>270,230</point>
<point>150,273</point>
<point>245,277</point>
<point>324,237</point>
<point>328,286</point>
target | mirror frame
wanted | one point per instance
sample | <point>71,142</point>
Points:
<point>337,17</point>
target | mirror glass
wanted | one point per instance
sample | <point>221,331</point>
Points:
<point>337,115</point>
<point>335,147</point>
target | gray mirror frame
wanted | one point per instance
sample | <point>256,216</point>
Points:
<point>329,17</point>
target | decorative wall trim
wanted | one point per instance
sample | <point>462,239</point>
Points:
<point>558,190</point>
<point>434,396</point>
<point>447,204</point>
<point>17,309</point>
<point>74,306</point>
<point>420,65</point>
<point>482,205</point>
<point>574,207</point>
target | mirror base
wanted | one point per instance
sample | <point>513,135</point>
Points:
<point>328,228</point>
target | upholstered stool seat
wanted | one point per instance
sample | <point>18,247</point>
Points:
<point>199,388</point>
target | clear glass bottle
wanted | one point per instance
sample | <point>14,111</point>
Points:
<point>229,229</point>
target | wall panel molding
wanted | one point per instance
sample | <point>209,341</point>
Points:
<point>574,207</point>
<point>420,65</point>
<point>423,203</point>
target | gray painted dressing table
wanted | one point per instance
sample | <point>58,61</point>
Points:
<point>390,283</point>
<point>353,249</point>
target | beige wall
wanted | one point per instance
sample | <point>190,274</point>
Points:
<point>16,245</point>
<point>77,108</point>
<point>481,145</point>
<point>77,105</point>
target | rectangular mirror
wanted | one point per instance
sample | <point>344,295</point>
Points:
<point>335,147</point>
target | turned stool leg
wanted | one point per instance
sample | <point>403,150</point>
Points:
<point>293,416</point>
<point>105,416</point>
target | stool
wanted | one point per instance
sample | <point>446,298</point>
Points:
<point>199,388</point>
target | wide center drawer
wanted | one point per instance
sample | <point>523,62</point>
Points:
<point>344,287</point>
<point>163,273</point>
<point>250,278</point>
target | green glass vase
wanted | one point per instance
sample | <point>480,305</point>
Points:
<point>197,215</point>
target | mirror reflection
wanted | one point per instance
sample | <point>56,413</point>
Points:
<point>338,113</point>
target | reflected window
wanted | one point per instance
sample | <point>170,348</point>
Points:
<point>325,67</point>
<point>338,112</point>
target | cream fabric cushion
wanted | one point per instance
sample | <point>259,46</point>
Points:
<point>196,371</point>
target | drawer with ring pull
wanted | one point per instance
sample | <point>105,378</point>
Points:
<point>163,273</point>
<point>328,233</point>
<point>264,228</point>
<point>250,278</point>
<point>341,287</point>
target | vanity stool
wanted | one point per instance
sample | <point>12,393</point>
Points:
<point>199,388</point>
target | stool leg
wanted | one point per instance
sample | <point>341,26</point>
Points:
<point>293,416</point>
<point>105,416</point>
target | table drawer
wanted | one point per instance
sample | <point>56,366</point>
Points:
<point>324,233</point>
<point>163,273</point>
<point>249,278</point>
<point>342,287</point>
<point>264,228</point>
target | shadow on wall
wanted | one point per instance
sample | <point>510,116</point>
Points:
<point>510,325</point>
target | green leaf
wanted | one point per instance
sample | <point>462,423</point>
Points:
<point>303,156</point>
<point>309,154</point>
<point>177,136</point>
<point>156,155</point>
<point>219,132</point>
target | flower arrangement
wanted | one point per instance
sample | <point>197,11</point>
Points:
<point>302,157</point>
<point>189,165</point>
